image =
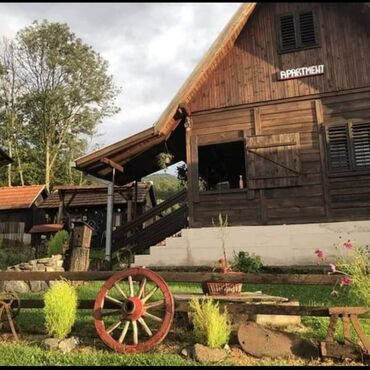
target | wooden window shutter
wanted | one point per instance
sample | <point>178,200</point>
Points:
<point>307,30</point>
<point>287,32</point>
<point>361,144</point>
<point>337,139</point>
<point>273,161</point>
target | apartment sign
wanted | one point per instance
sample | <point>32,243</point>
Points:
<point>301,72</point>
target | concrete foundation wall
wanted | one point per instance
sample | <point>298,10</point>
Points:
<point>275,244</point>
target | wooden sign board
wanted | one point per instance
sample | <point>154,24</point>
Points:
<point>300,72</point>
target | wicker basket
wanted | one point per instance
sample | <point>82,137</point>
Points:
<point>221,288</point>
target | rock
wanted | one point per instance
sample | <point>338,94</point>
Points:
<point>51,343</point>
<point>52,283</point>
<point>67,345</point>
<point>38,286</point>
<point>18,286</point>
<point>185,352</point>
<point>188,351</point>
<point>40,267</point>
<point>262,342</point>
<point>205,354</point>
<point>227,348</point>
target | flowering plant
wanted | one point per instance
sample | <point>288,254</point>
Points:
<point>353,263</point>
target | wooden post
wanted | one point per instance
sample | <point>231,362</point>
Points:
<point>81,240</point>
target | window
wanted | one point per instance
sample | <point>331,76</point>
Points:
<point>297,31</point>
<point>348,146</point>
<point>222,166</point>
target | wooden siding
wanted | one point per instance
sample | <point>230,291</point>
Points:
<point>349,194</point>
<point>248,73</point>
<point>304,203</point>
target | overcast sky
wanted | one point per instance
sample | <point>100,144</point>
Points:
<point>151,48</point>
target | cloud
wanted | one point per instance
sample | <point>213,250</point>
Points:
<point>151,48</point>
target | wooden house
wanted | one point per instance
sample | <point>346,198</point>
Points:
<point>274,126</point>
<point>19,211</point>
<point>88,203</point>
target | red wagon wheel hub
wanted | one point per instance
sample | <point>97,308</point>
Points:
<point>133,311</point>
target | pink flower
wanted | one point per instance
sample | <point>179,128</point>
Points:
<point>332,267</point>
<point>319,253</point>
<point>348,245</point>
<point>345,281</point>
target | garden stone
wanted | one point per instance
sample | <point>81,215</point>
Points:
<point>17,286</point>
<point>188,351</point>
<point>40,267</point>
<point>51,343</point>
<point>259,341</point>
<point>67,345</point>
<point>38,286</point>
<point>204,354</point>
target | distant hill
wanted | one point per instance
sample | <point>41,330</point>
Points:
<point>165,185</point>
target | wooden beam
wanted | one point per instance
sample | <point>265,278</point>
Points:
<point>112,164</point>
<point>190,277</point>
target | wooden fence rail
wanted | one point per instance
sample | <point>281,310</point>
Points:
<point>185,277</point>
<point>239,308</point>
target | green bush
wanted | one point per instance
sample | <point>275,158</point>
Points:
<point>211,327</point>
<point>60,309</point>
<point>56,242</point>
<point>10,256</point>
<point>244,262</point>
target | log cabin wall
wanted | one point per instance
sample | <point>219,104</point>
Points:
<point>242,100</point>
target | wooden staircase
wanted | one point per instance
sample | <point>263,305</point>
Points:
<point>153,226</point>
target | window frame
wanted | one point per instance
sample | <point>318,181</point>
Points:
<point>297,31</point>
<point>354,169</point>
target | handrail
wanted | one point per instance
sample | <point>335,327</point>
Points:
<point>173,216</point>
<point>177,198</point>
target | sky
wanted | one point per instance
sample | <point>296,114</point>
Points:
<point>151,49</point>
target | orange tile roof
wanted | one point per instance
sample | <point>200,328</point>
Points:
<point>18,197</point>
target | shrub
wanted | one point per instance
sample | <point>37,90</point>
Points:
<point>60,309</point>
<point>211,327</point>
<point>56,242</point>
<point>245,262</point>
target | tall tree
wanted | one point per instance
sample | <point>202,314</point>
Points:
<point>67,92</point>
<point>10,91</point>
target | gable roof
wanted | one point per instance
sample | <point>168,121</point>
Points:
<point>19,197</point>
<point>4,158</point>
<point>92,195</point>
<point>133,146</point>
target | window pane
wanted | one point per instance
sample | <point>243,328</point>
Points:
<point>361,144</point>
<point>338,147</point>
<point>287,32</point>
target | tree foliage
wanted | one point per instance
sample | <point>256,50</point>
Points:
<point>66,92</point>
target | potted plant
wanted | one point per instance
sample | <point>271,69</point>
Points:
<point>214,287</point>
<point>164,159</point>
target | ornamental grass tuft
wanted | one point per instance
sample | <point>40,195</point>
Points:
<point>60,309</point>
<point>211,327</point>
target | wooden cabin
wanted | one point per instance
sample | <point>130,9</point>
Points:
<point>19,211</point>
<point>273,123</point>
<point>88,203</point>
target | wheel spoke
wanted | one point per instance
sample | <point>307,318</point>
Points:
<point>120,290</point>
<point>114,300</point>
<point>114,326</point>
<point>150,294</point>
<point>124,331</point>
<point>154,304</point>
<point>111,313</point>
<point>142,287</point>
<point>153,317</point>
<point>135,332</point>
<point>145,326</point>
<point>131,286</point>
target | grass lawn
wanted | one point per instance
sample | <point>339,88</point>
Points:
<point>93,352</point>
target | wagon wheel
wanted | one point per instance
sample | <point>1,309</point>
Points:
<point>14,301</point>
<point>134,310</point>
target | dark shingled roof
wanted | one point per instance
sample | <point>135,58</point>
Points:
<point>82,196</point>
